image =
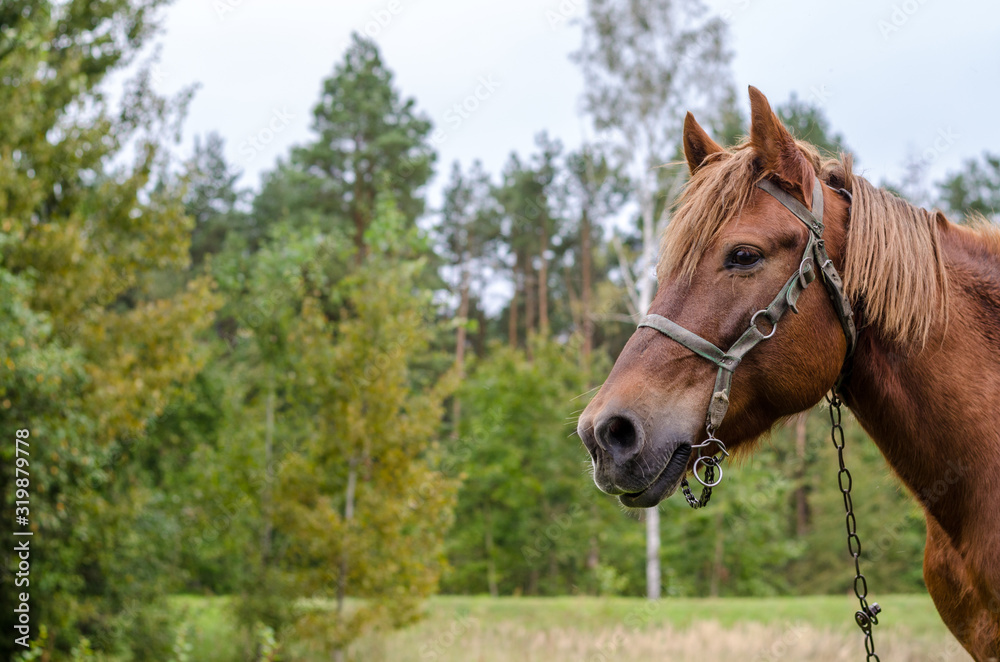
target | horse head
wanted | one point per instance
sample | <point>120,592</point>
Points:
<point>734,253</point>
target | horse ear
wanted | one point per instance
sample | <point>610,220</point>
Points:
<point>776,148</point>
<point>697,144</point>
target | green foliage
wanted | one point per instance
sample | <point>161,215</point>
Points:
<point>975,189</point>
<point>807,122</point>
<point>369,142</point>
<point>890,523</point>
<point>523,523</point>
<point>244,393</point>
<point>91,350</point>
<point>212,199</point>
<point>378,425</point>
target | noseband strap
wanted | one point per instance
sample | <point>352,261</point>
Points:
<point>814,258</point>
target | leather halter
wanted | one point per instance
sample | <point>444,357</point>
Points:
<point>814,256</point>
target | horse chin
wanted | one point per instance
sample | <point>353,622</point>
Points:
<point>665,483</point>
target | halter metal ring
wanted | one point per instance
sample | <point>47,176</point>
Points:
<point>803,279</point>
<point>774,325</point>
<point>715,464</point>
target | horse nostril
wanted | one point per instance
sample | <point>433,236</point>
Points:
<point>586,431</point>
<point>619,436</point>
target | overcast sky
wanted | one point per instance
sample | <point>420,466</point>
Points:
<point>903,78</point>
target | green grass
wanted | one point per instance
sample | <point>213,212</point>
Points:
<point>211,627</point>
<point>825,611</point>
<point>565,628</point>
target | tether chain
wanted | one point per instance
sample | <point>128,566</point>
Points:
<point>867,616</point>
<point>711,462</point>
<point>706,492</point>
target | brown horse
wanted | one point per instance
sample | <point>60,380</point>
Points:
<point>925,295</point>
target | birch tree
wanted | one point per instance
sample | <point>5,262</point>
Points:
<point>646,63</point>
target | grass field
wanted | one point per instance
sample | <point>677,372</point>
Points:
<point>482,629</point>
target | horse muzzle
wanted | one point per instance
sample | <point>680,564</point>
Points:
<point>640,464</point>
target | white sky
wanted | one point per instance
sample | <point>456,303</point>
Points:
<point>897,78</point>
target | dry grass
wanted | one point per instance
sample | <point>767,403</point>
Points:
<point>475,641</point>
<point>588,629</point>
<point>811,628</point>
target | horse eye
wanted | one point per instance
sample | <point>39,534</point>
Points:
<point>744,257</point>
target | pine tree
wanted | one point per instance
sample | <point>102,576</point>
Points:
<point>369,140</point>
<point>212,198</point>
<point>593,190</point>
<point>467,230</point>
<point>528,198</point>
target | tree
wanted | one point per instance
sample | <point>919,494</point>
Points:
<point>523,522</point>
<point>90,223</point>
<point>362,506</point>
<point>212,198</point>
<point>529,225</point>
<point>369,141</point>
<point>593,190</point>
<point>646,63</point>
<point>806,121</point>
<point>467,228</point>
<point>975,189</point>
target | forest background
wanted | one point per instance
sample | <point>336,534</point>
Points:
<point>297,396</point>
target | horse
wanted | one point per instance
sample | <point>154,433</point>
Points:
<point>905,331</point>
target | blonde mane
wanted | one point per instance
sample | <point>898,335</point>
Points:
<point>894,270</point>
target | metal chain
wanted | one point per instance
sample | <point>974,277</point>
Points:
<point>711,462</point>
<point>706,491</point>
<point>867,616</point>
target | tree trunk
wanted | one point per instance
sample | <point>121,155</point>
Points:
<point>586,293</point>
<point>543,285</point>
<point>460,337</point>
<point>653,553</point>
<point>265,491</point>
<point>529,300</point>
<point>801,498</point>
<point>593,554</point>
<point>491,566</point>
<point>352,483</point>
<point>512,317</point>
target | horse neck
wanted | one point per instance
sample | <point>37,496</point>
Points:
<point>931,411</point>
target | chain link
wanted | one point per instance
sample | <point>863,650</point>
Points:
<point>867,616</point>
<point>706,491</point>
<point>711,462</point>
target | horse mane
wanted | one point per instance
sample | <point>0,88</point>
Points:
<point>893,264</point>
<point>893,270</point>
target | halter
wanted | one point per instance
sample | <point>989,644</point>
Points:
<point>786,299</point>
<point>813,256</point>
